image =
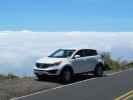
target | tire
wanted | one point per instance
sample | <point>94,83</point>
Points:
<point>98,72</point>
<point>66,75</point>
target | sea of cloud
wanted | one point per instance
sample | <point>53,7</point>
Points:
<point>20,49</point>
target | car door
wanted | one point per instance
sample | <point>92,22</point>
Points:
<point>79,63</point>
<point>91,59</point>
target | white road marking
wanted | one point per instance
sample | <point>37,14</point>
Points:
<point>62,86</point>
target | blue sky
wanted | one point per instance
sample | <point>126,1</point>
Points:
<point>66,15</point>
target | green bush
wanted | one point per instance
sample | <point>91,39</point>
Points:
<point>9,76</point>
<point>111,64</point>
<point>12,76</point>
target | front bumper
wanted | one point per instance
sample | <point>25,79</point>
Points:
<point>41,71</point>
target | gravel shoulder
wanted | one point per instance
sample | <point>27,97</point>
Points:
<point>23,86</point>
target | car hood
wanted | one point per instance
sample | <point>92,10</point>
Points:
<point>49,60</point>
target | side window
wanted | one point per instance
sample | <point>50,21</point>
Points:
<point>81,53</point>
<point>86,52</point>
<point>90,52</point>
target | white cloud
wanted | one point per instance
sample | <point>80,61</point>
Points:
<point>131,44</point>
<point>26,31</point>
<point>27,39</point>
<point>18,48</point>
<point>3,34</point>
<point>72,34</point>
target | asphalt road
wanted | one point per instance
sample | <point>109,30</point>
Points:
<point>102,88</point>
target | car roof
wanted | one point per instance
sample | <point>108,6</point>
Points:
<point>78,48</point>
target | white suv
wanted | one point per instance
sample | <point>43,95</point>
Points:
<point>67,62</point>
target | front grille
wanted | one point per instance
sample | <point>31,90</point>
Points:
<point>40,65</point>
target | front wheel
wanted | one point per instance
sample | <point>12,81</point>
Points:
<point>66,75</point>
<point>98,71</point>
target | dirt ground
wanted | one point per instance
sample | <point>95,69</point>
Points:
<point>23,86</point>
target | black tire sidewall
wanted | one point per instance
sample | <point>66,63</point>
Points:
<point>62,75</point>
<point>96,73</point>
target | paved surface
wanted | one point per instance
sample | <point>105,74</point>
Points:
<point>104,88</point>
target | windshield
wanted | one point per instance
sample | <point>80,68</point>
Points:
<point>61,53</point>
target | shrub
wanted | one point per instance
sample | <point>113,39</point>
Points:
<point>12,76</point>
<point>111,64</point>
<point>9,76</point>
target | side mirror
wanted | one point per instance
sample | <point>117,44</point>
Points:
<point>77,56</point>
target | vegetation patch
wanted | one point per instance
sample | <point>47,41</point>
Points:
<point>10,76</point>
<point>115,65</point>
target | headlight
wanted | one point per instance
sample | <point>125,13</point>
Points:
<point>56,63</point>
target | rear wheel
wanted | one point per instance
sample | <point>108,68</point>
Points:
<point>98,71</point>
<point>66,75</point>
